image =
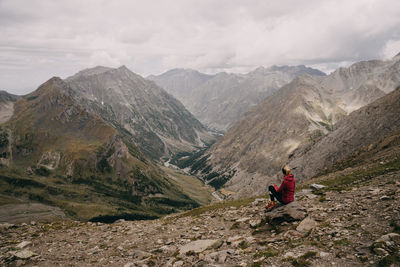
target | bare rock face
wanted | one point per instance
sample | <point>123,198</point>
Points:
<point>7,105</point>
<point>360,128</point>
<point>221,100</point>
<point>50,160</point>
<point>157,122</point>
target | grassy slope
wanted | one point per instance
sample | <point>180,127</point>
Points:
<point>191,186</point>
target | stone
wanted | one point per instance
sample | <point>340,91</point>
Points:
<point>245,219</point>
<point>197,246</point>
<point>6,225</point>
<point>24,244</point>
<point>212,257</point>
<point>389,237</point>
<point>380,251</point>
<point>255,223</point>
<point>292,233</point>
<point>317,186</point>
<point>167,248</point>
<point>286,213</point>
<point>217,244</point>
<point>139,254</point>
<point>258,200</point>
<point>234,239</point>
<point>324,254</point>
<point>23,254</point>
<point>289,255</point>
<point>306,225</point>
<point>178,264</point>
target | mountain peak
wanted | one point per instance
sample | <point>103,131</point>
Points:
<point>124,68</point>
<point>91,71</point>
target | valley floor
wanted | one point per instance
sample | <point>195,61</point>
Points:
<point>342,229</point>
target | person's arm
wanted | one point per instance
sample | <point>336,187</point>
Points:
<point>283,185</point>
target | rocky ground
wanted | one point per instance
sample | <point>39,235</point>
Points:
<point>357,226</point>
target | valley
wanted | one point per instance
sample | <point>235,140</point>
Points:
<point>110,153</point>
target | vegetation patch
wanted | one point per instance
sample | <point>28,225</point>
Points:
<point>42,171</point>
<point>342,242</point>
<point>346,182</point>
<point>268,253</point>
<point>220,205</point>
<point>127,217</point>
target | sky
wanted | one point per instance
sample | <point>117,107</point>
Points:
<point>40,39</point>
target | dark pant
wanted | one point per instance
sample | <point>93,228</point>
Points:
<point>273,194</point>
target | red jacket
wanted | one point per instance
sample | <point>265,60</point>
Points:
<point>287,188</point>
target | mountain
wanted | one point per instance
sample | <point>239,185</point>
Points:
<point>157,123</point>
<point>247,158</point>
<point>180,82</point>
<point>220,100</point>
<point>56,152</point>
<point>361,128</point>
<point>6,105</point>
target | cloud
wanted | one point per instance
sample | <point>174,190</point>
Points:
<point>44,38</point>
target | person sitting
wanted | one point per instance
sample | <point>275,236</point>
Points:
<point>285,193</point>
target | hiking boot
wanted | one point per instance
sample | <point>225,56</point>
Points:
<point>270,205</point>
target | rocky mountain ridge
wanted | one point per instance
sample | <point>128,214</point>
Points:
<point>245,160</point>
<point>222,99</point>
<point>156,121</point>
<point>361,128</point>
<point>54,151</point>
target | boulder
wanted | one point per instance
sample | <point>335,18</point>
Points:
<point>244,219</point>
<point>255,223</point>
<point>23,244</point>
<point>306,225</point>
<point>23,254</point>
<point>317,186</point>
<point>286,213</point>
<point>197,246</point>
<point>219,256</point>
<point>389,237</point>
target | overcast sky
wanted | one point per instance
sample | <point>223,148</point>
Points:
<point>44,38</point>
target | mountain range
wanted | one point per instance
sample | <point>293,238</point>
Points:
<point>158,123</point>
<point>90,144</point>
<point>246,158</point>
<point>220,100</point>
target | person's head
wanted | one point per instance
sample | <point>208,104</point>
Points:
<point>286,170</point>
